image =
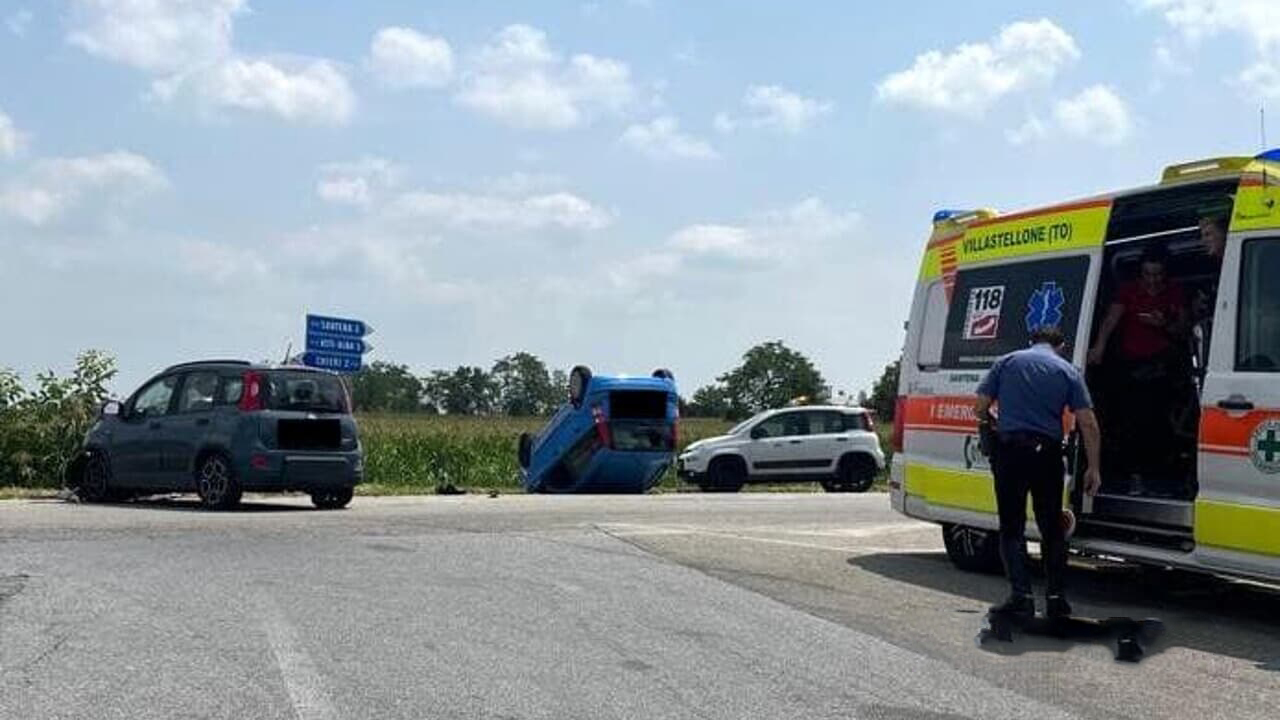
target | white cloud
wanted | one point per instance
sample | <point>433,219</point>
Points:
<point>769,237</point>
<point>402,57</point>
<point>54,187</point>
<point>519,80</point>
<point>220,263</point>
<point>1031,130</point>
<point>155,35</point>
<point>1256,20</point>
<point>494,212</point>
<point>18,22</point>
<point>356,183</point>
<point>661,139</point>
<point>186,45</point>
<point>972,77</point>
<point>773,106</point>
<point>303,90</point>
<point>1096,114</point>
<point>11,140</point>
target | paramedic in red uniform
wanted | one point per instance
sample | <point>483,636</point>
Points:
<point>1031,389</point>
<point>1150,317</point>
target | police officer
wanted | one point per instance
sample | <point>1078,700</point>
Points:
<point>1030,389</point>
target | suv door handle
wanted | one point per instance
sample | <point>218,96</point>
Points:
<point>842,439</point>
<point>1238,403</point>
<point>794,442</point>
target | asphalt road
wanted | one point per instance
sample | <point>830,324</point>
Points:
<point>668,606</point>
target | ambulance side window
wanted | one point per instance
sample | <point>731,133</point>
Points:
<point>933,328</point>
<point>994,308</point>
<point>1258,329</point>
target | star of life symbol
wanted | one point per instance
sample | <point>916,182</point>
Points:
<point>1044,309</point>
<point>1264,446</point>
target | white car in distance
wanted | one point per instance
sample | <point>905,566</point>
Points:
<point>833,445</point>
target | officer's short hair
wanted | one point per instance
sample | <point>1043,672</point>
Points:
<point>1051,334</point>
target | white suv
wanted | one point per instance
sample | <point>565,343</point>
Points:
<point>833,445</point>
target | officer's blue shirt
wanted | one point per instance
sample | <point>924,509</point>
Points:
<point>1032,387</point>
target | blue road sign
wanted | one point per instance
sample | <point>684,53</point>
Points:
<point>345,327</point>
<point>327,361</point>
<point>317,342</point>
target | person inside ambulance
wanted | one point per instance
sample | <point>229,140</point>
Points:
<point>1149,315</point>
<point>1213,240</point>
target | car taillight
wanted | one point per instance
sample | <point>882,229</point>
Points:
<point>602,426</point>
<point>251,395</point>
<point>899,419</point>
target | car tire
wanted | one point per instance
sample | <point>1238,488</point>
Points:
<point>725,475</point>
<point>973,549</point>
<point>332,498</point>
<point>579,379</point>
<point>216,482</point>
<point>857,473</point>
<point>664,374</point>
<point>94,484</point>
<point>524,450</point>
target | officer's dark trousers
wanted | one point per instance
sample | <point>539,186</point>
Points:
<point>1032,463</point>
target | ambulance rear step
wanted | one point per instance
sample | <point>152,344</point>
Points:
<point>1175,539</point>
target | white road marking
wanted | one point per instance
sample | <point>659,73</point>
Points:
<point>301,679</point>
<point>639,530</point>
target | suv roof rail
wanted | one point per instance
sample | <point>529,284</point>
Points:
<point>244,363</point>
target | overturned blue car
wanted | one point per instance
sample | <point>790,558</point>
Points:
<point>615,435</point>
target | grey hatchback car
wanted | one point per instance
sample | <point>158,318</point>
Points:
<point>222,427</point>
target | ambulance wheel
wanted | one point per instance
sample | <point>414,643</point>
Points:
<point>579,378</point>
<point>726,475</point>
<point>525,450</point>
<point>973,549</point>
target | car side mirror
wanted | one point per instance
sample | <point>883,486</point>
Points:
<point>112,408</point>
<point>758,433</point>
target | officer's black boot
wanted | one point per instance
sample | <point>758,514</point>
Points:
<point>1056,607</point>
<point>1016,604</point>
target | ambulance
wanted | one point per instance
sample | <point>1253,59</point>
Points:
<point>1191,444</point>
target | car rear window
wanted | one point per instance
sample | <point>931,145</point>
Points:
<point>308,391</point>
<point>638,404</point>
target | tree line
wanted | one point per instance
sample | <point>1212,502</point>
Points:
<point>770,375</point>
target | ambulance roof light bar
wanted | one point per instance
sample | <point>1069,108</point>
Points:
<point>960,217</point>
<point>1218,167</point>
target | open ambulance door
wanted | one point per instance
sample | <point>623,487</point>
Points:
<point>1237,508</point>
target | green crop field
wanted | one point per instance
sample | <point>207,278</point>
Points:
<point>421,453</point>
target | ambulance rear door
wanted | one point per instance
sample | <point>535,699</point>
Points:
<point>1237,509</point>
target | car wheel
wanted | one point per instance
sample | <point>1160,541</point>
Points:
<point>332,498</point>
<point>216,484</point>
<point>524,450</point>
<point>725,475</point>
<point>973,549</point>
<point>579,378</point>
<point>95,479</point>
<point>856,473</point>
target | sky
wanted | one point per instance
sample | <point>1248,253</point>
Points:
<point>627,184</point>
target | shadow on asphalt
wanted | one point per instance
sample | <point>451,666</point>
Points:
<point>180,503</point>
<point>1200,612</point>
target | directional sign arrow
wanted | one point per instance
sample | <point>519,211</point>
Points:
<point>346,327</point>
<point>317,342</point>
<point>332,361</point>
